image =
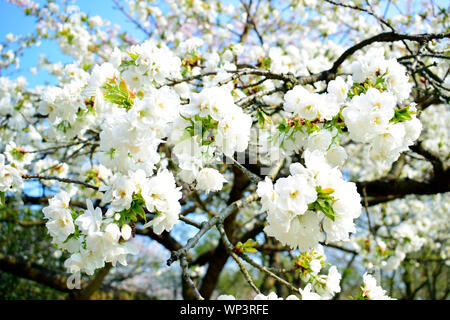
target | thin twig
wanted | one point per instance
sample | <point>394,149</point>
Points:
<point>244,257</point>
<point>238,261</point>
<point>206,226</point>
<point>188,279</point>
<point>66,180</point>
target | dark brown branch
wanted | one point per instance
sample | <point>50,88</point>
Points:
<point>66,180</point>
<point>406,186</point>
<point>436,162</point>
<point>164,239</point>
<point>24,223</point>
<point>93,285</point>
<point>396,168</point>
<point>382,37</point>
<point>56,148</point>
<point>22,268</point>
<point>28,270</point>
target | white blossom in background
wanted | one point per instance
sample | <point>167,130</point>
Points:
<point>373,291</point>
<point>10,179</point>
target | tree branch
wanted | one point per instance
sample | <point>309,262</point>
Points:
<point>406,186</point>
<point>28,270</point>
<point>66,180</point>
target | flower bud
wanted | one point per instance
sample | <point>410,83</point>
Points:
<point>126,232</point>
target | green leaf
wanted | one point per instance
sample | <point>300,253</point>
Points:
<point>63,126</point>
<point>118,93</point>
<point>133,56</point>
<point>324,202</point>
<point>248,246</point>
<point>18,153</point>
<point>266,62</point>
<point>86,67</point>
<point>327,209</point>
<point>123,85</point>
<point>111,153</point>
<point>139,211</point>
<point>283,127</point>
<point>263,118</point>
<point>403,114</point>
<point>2,199</point>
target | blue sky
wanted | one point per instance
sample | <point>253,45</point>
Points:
<point>13,20</point>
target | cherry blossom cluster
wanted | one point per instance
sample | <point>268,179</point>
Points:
<point>210,126</point>
<point>374,114</point>
<point>367,105</point>
<point>311,199</point>
<point>126,194</point>
<point>91,239</point>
